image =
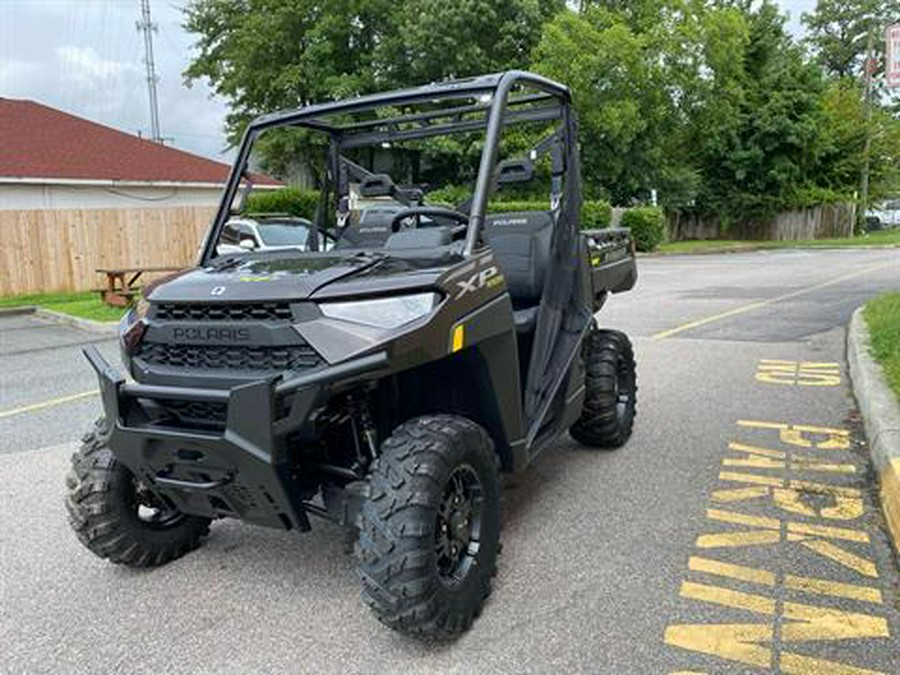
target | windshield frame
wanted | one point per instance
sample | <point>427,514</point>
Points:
<point>499,112</point>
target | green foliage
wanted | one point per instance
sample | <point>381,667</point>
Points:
<point>622,105</point>
<point>596,214</point>
<point>839,31</point>
<point>759,136</point>
<point>451,195</point>
<point>293,201</point>
<point>436,39</point>
<point>511,207</point>
<point>711,104</point>
<point>880,239</point>
<point>85,304</point>
<point>265,55</point>
<point>883,317</point>
<point>648,227</point>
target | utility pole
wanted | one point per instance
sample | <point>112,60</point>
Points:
<point>867,145</point>
<point>147,27</point>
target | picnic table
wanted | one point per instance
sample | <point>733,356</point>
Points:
<point>121,283</point>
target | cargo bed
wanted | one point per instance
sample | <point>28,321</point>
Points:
<point>611,256</point>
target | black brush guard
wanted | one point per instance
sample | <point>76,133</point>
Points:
<point>242,471</point>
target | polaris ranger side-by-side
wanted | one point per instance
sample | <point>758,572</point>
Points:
<point>383,381</point>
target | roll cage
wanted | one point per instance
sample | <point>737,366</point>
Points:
<point>497,107</point>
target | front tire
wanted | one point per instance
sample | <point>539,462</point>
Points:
<point>116,517</point>
<point>610,398</point>
<point>430,528</point>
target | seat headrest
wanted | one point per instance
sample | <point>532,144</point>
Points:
<point>372,230</point>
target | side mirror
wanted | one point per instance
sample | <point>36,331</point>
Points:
<point>248,244</point>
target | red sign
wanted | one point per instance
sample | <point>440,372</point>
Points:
<point>892,66</point>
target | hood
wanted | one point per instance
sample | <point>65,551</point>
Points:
<point>274,278</point>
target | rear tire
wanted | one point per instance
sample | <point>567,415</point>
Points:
<point>117,518</point>
<point>610,398</point>
<point>430,529</point>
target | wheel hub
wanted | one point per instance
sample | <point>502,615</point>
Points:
<point>622,389</point>
<point>458,524</point>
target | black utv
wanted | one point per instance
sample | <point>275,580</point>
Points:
<point>382,381</point>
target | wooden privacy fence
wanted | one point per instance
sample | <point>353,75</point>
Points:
<point>60,249</point>
<point>819,222</point>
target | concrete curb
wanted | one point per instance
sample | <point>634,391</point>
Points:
<point>881,418</point>
<point>102,327</point>
<point>751,248</point>
<point>17,311</point>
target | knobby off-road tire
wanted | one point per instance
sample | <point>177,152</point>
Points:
<point>116,518</point>
<point>610,399</point>
<point>430,529</point>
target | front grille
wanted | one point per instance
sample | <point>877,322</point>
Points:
<point>210,357</point>
<point>266,311</point>
<point>197,412</point>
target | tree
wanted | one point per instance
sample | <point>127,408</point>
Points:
<point>759,135</point>
<point>839,30</point>
<point>265,55</point>
<point>711,102</point>
<point>622,105</point>
<point>437,39</point>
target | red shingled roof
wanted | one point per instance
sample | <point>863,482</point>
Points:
<point>37,141</point>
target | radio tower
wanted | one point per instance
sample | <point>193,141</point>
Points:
<point>147,27</point>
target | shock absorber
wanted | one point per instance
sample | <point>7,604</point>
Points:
<point>368,429</point>
<point>365,438</point>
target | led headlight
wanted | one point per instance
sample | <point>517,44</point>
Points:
<point>382,312</point>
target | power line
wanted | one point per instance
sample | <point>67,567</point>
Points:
<point>147,27</point>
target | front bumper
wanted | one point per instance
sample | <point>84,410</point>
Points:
<point>242,471</point>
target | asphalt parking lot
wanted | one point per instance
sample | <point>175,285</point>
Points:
<point>736,532</point>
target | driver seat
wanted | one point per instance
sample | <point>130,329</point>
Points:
<point>521,244</point>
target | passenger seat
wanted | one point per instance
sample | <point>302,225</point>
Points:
<point>521,245</point>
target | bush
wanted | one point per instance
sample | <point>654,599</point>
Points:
<point>509,207</point>
<point>648,227</point>
<point>302,203</point>
<point>294,201</point>
<point>596,215</point>
<point>449,194</point>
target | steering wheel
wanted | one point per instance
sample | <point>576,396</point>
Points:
<point>434,211</point>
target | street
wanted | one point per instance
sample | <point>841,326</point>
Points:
<point>744,500</point>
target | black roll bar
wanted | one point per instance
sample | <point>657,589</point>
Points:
<point>499,85</point>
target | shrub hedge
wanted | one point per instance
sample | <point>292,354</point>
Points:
<point>295,201</point>
<point>648,227</point>
<point>302,203</point>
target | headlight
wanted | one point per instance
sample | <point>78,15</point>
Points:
<point>382,312</point>
<point>132,328</point>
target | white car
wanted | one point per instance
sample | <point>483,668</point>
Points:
<point>884,216</point>
<point>269,233</point>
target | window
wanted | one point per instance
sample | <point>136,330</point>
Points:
<point>230,234</point>
<point>246,231</point>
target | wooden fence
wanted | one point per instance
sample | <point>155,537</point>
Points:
<point>59,250</point>
<point>819,222</point>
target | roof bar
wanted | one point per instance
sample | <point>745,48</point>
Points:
<point>545,113</point>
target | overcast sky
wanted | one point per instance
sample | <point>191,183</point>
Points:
<point>86,57</point>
